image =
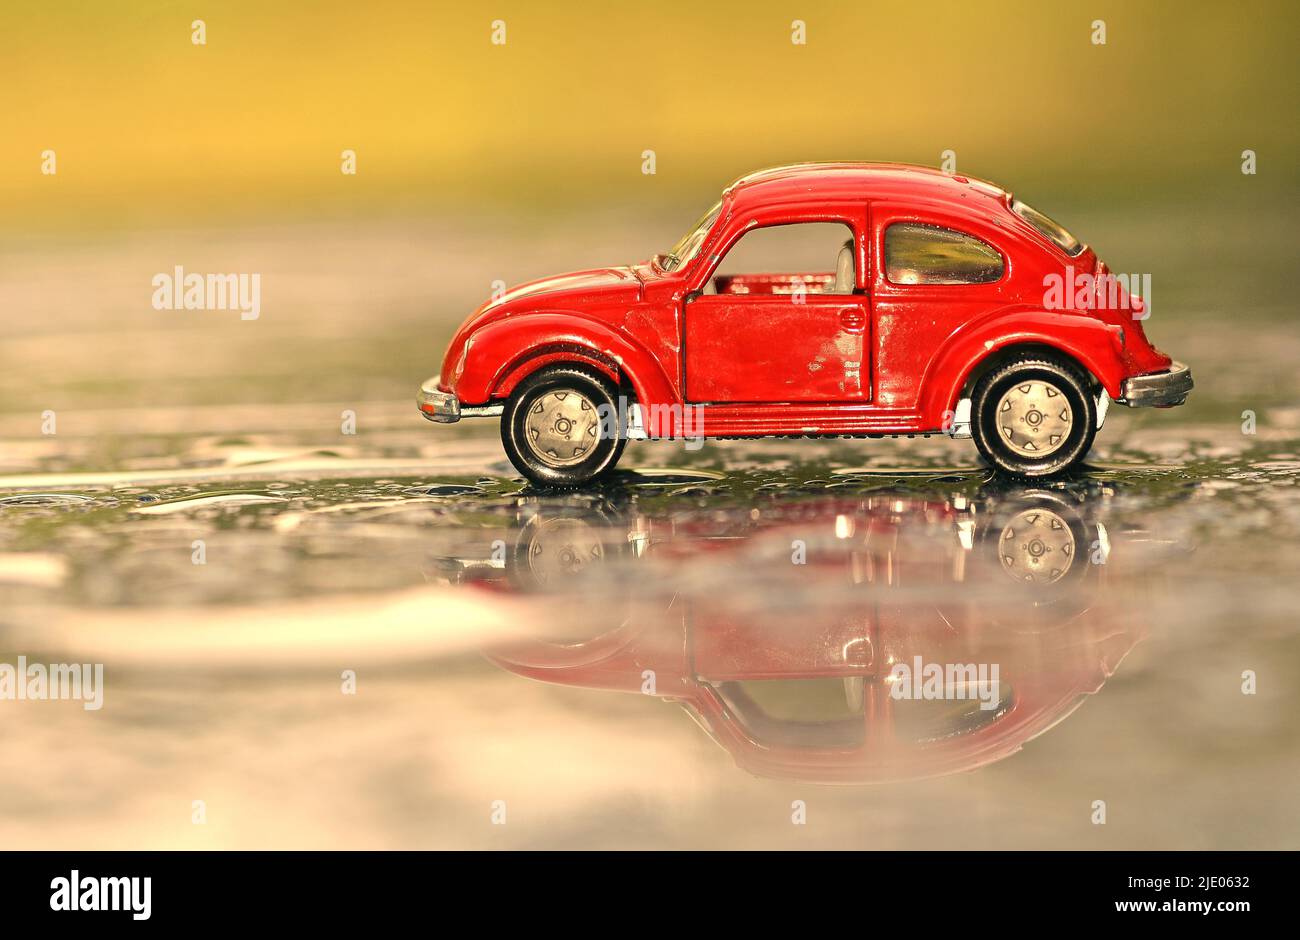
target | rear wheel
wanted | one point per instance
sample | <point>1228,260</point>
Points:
<point>560,427</point>
<point>1045,548</point>
<point>1033,417</point>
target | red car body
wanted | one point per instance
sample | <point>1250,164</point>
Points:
<point>888,358</point>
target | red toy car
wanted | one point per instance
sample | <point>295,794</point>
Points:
<point>944,306</point>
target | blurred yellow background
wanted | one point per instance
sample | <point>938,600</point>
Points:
<point>479,163</point>
<point>150,129</point>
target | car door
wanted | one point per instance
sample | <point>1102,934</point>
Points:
<point>932,277</point>
<point>789,334</point>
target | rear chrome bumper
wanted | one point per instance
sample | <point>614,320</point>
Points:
<point>446,408</point>
<point>1159,389</point>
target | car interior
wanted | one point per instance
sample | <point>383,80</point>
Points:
<point>780,259</point>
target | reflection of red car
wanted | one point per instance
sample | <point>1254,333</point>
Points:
<point>931,311</point>
<point>794,679</point>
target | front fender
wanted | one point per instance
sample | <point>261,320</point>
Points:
<point>500,354</point>
<point>1093,344</point>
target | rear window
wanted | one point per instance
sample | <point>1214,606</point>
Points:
<point>960,712</point>
<point>1054,232</point>
<point>929,254</point>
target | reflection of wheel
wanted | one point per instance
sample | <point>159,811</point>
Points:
<point>570,554</point>
<point>1037,546</point>
<point>558,551</point>
<point>561,547</point>
<point>553,431</point>
<point>1033,417</point>
<point>1039,540</point>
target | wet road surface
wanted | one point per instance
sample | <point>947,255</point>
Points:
<point>673,659</point>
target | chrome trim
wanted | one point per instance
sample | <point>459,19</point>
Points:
<point>445,408</point>
<point>960,429</point>
<point>438,406</point>
<point>1103,406</point>
<point>635,430</point>
<point>1158,389</point>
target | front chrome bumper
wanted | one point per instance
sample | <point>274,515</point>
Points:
<point>446,408</point>
<point>1159,389</point>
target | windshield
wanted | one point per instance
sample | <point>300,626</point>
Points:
<point>686,249</point>
<point>1052,231</point>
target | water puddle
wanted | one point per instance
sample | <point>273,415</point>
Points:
<point>773,621</point>
<point>225,500</point>
<point>652,476</point>
<point>443,489</point>
<point>45,499</point>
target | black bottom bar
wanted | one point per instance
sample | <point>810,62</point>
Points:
<point>577,892</point>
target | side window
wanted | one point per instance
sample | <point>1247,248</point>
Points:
<point>808,257</point>
<point>928,254</point>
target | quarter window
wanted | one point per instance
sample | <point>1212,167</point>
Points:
<point>929,254</point>
<point>1052,231</point>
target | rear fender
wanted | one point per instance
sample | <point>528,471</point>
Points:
<point>1093,344</point>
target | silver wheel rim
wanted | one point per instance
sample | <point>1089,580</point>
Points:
<point>1036,546</point>
<point>1034,418</point>
<point>562,549</point>
<point>561,427</point>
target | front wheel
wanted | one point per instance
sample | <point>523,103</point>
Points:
<point>1033,417</point>
<point>560,427</point>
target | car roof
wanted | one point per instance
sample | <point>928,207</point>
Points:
<point>800,183</point>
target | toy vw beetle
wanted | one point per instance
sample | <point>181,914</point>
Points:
<point>949,307</point>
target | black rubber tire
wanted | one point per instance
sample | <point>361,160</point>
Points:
<point>618,451</point>
<point>602,457</point>
<point>1067,379</point>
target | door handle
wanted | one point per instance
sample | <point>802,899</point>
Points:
<point>853,319</point>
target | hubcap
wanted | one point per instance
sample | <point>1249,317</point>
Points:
<point>562,549</point>
<point>1034,418</point>
<point>1036,546</point>
<point>561,428</point>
